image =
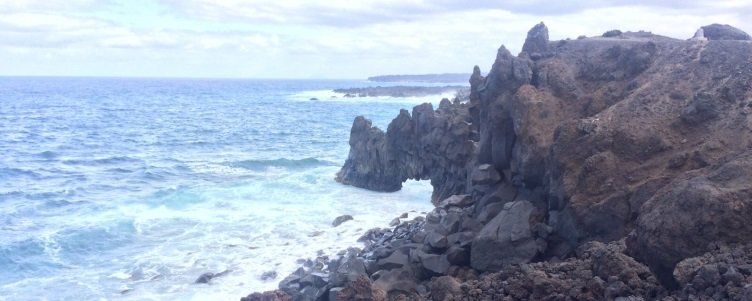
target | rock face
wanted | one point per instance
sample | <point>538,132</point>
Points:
<point>605,168</point>
<point>509,238</point>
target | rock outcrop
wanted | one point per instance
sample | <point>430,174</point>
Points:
<point>427,144</point>
<point>724,32</point>
<point>604,168</point>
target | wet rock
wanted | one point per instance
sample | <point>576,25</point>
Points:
<point>208,276</point>
<point>269,275</point>
<point>347,269</point>
<point>395,222</point>
<point>341,219</point>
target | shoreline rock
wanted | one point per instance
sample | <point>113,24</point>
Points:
<point>603,168</point>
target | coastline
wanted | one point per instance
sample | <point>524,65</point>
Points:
<point>577,169</point>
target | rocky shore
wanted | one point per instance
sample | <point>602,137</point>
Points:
<point>422,78</point>
<point>616,167</point>
<point>402,91</point>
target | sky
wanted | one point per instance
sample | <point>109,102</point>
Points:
<point>338,39</point>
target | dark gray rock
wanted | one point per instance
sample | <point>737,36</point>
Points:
<point>724,32</point>
<point>536,43</point>
<point>317,279</point>
<point>396,280</point>
<point>347,269</point>
<point>434,263</point>
<point>395,260</point>
<point>269,275</point>
<point>427,144</point>
<point>508,238</point>
<point>206,277</point>
<point>436,240</point>
<point>485,174</point>
<point>341,219</point>
<point>612,33</point>
<point>701,108</point>
<point>333,292</point>
<point>461,201</point>
<point>457,255</point>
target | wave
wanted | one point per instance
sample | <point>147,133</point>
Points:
<point>102,161</point>
<point>259,165</point>
<point>17,172</point>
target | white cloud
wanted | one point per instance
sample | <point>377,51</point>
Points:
<point>298,38</point>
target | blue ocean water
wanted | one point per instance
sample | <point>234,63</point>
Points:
<point>117,188</point>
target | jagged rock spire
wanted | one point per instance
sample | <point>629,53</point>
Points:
<point>537,40</point>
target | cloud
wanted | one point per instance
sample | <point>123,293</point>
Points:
<point>367,12</point>
<point>299,39</point>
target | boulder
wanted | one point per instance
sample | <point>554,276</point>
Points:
<point>461,201</point>
<point>395,260</point>
<point>396,280</point>
<point>709,206</point>
<point>485,174</point>
<point>508,238</point>
<point>435,263</point>
<point>268,275</point>
<point>277,295</point>
<point>724,32</point>
<point>347,269</point>
<point>206,277</point>
<point>341,219</point>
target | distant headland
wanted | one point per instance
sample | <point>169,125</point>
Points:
<point>423,78</point>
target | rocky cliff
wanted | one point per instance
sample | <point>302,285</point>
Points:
<point>588,169</point>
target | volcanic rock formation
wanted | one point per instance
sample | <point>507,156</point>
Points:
<point>617,166</point>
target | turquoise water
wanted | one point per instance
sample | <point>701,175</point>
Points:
<point>115,188</point>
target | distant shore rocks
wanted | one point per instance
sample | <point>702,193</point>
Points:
<point>423,78</point>
<point>399,91</point>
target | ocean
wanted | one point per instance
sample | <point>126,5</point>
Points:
<point>130,189</point>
